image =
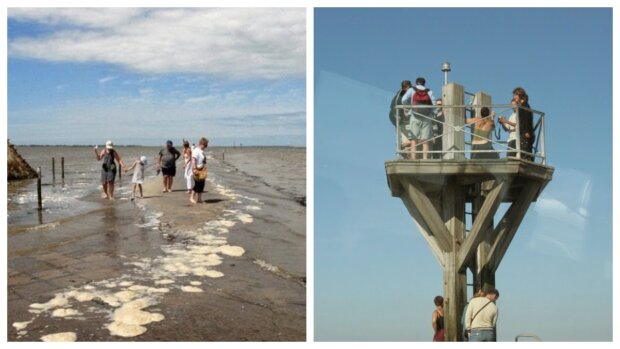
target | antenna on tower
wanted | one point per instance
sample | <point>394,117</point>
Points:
<point>445,68</point>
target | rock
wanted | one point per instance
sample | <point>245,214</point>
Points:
<point>17,167</point>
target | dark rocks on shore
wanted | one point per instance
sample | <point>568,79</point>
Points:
<point>17,167</point>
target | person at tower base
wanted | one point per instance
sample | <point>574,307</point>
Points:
<point>437,321</point>
<point>481,317</point>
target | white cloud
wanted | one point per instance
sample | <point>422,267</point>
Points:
<point>234,43</point>
<point>107,79</point>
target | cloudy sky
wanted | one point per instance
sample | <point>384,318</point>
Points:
<point>141,76</point>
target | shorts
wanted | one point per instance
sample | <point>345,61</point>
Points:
<point>169,171</point>
<point>485,146</point>
<point>199,186</point>
<point>420,129</point>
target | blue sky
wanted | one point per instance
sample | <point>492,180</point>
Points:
<point>375,277</point>
<point>142,76</point>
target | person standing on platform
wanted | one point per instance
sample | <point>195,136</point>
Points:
<point>402,97</point>
<point>525,117</point>
<point>482,131</point>
<point>438,130</point>
<point>481,317</point>
<point>420,125</point>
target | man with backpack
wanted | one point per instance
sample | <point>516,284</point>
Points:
<point>420,125</point>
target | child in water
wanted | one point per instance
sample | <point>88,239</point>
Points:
<point>138,175</point>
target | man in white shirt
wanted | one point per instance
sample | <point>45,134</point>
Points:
<point>481,317</point>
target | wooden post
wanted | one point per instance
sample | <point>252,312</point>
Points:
<point>483,277</point>
<point>54,170</point>
<point>453,94</point>
<point>62,168</point>
<point>39,197</point>
<point>455,281</point>
<point>223,153</point>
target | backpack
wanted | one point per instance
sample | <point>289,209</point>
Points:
<point>422,97</point>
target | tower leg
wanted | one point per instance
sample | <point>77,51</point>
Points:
<point>455,282</point>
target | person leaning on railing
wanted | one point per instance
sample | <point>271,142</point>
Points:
<point>510,125</point>
<point>402,115</point>
<point>438,130</point>
<point>525,118</point>
<point>482,130</point>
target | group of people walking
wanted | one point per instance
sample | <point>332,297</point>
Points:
<point>424,125</point>
<point>194,169</point>
<point>479,321</point>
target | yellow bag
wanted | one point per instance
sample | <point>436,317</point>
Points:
<point>201,175</point>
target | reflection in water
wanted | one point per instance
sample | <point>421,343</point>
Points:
<point>109,221</point>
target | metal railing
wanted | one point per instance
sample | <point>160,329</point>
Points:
<point>528,335</point>
<point>407,112</point>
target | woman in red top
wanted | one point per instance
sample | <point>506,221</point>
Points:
<point>438,325</point>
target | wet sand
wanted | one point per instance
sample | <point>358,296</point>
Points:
<point>160,268</point>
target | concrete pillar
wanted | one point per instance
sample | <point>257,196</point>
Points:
<point>453,94</point>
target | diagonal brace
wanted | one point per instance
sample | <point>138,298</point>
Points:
<point>478,230</point>
<point>429,214</point>
<point>425,231</point>
<point>507,227</point>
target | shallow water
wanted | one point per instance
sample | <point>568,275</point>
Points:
<point>102,257</point>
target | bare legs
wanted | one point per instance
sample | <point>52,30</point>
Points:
<point>167,184</point>
<point>133,192</point>
<point>108,190</point>
<point>413,145</point>
<point>195,197</point>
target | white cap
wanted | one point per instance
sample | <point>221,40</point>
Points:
<point>143,159</point>
<point>109,145</point>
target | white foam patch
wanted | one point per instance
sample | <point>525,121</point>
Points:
<point>65,312</point>
<point>45,226</point>
<point>164,282</point>
<point>253,208</point>
<point>60,300</point>
<point>125,296</point>
<point>195,283</point>
<point>21,325</point>
<point>266,266</point>
<point>128,320</point>
<point>190,289</point>
<point>234,251</point>
<point>60,337</point>
<point>245,218</point>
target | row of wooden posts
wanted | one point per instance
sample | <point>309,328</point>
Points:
<point>62,175</point>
